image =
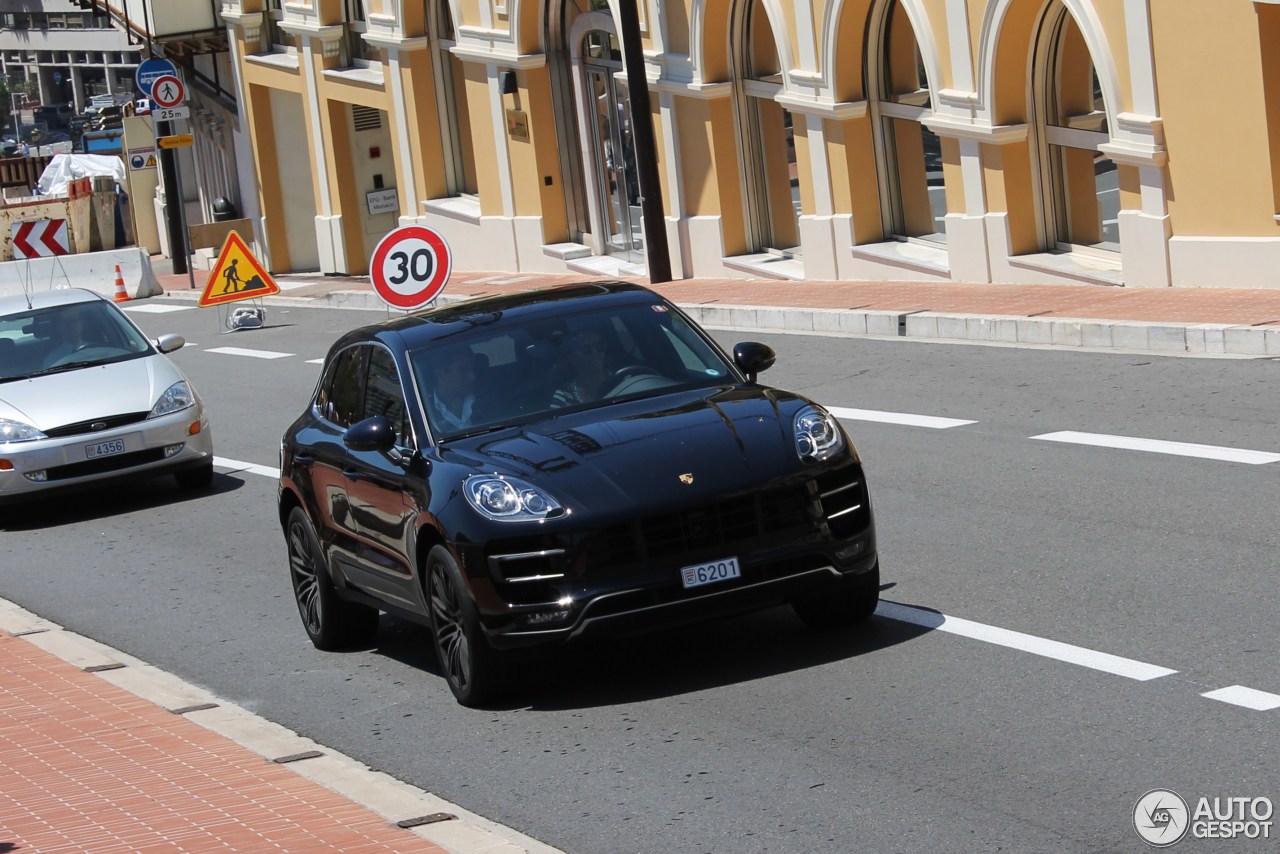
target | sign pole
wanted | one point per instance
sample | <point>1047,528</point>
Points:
<point>175,216</point>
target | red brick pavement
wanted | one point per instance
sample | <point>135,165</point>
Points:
<point>87,766</point>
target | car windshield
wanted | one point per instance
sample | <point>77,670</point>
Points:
<point>502,374</point>
<point>66,337</point>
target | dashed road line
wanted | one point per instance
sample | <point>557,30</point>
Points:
<point>255,354</point>
<point>248,468</point>
<point>1249,698</point>
<point>1105,662</point>
<point>319,361</point>
<point>906,418</point>
<point>1160,446</point>
<point>156,308</point>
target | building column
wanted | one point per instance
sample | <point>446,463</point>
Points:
<point>77,88</point>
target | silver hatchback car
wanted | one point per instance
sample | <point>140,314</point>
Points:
<point>86,397</point>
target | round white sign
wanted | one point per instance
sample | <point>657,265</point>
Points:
<point>410,266</point>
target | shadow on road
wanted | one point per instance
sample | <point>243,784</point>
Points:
<point>108,500</point>
<point>670,662</point>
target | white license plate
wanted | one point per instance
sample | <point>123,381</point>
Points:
<point>710,573</point>
<point>104,449</point>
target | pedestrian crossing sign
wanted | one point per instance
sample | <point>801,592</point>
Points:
<point>236,276</point>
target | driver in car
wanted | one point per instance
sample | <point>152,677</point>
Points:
<point>69,333</point>
<point>588,377</point>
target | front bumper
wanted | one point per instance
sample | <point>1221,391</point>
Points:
<point>145,448</point>
<point>791,539</point>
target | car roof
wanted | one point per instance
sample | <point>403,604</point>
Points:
<point>14,303</point>
<point>421,327</point>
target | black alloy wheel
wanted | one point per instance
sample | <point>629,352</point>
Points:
<point>331,622</point>
<point>850,604</point>
<point>471,667</point>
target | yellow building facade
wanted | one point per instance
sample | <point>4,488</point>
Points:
<point>1121,142</point>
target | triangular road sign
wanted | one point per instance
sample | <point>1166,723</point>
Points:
<point>237,276</point>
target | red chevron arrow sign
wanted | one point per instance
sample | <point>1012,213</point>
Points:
<point>40,238</point>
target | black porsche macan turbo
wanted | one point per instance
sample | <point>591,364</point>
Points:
<point>528,469</point>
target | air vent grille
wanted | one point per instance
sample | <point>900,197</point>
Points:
<point>366,118</point>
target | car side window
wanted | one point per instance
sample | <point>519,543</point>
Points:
<point>383,394</point>
<point>339,398</point>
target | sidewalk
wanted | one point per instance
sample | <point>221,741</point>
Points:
<point>1200,321</point>
<point>102,752</point>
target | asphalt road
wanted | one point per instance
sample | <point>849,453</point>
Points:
<point>753,734</point>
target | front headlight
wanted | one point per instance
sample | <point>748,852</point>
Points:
<point>18,431</point>
<point>509,499</point>
<point>818,437</point>
<point>175,398</point>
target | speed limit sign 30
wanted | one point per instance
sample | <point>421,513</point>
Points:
<point>410,266</point>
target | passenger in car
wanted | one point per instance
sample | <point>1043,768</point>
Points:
<point>588,377</point>
<point>453,389</point>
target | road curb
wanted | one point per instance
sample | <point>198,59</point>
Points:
<point>1152,337</point>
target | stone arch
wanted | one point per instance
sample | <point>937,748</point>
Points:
<point>711,59</point>
<point>1004,59</point>
<point>847,18</point>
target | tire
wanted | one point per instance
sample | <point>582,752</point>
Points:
<point>331,622</point>
<point>850,604</point>
<point>474,671</point>
<point>197,478</point>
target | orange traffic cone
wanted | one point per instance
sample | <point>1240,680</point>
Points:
<point>121,294</point>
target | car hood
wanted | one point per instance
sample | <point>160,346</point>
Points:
<point>87,393</point>
<point>671,450</point>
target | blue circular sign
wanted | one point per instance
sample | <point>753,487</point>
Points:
<point>151,69</point>
<point>57,78</point>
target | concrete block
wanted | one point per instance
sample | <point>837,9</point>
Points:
<point>1129,335</point>
<point>882,323</point>
<point>714,315</point>
<point>1032,331</point>
<point>923,325</point>
<point>978,329</point>
<point>743,318</point>
<point>771,318</point>
<point>853,322</point>
<point>1194,335</point>
<point>1246,340</point>
<point>953,326</point>
<point>1007,330</point>
<point>1273,341</point>
<point>95,271</point>
<point>1215,339</point>
<point>799,319</point>
<point>825,320</point>
<point>1166,338</point>
<point>1065,333</point>
<point>1095,334</point>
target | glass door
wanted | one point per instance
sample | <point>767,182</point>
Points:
<point>617,184</point>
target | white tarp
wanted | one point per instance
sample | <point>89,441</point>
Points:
<point>65,168</point>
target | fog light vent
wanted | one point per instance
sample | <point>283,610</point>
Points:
<point>170,450</point>
<point>36,476</point>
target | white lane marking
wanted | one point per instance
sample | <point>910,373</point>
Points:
<point>1057,650</point>
<point>256,354</point>
<point>319,361</point>
<point>1160,446</point>
<point>511,281</point>
<point>906,418</point>
<point>293,286</point>
<point>1249,698</point>
<point>249,468</point>
<point>156,309</point>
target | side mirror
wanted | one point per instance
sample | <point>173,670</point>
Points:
<point>752,357</point>
<point>169,343</point>
<point>372,434</point>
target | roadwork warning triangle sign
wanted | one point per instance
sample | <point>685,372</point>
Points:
<point>237,276</point>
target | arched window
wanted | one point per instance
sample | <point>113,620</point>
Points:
<point>451,96</point>
<point>767,135</point>
<point>1080,186</point>
<point>911,180</point>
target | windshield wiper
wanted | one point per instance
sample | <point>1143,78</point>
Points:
<point>69,366</point>
<point>479,431</point>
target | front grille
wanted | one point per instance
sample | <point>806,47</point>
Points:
<point>740,522</point>
<point>105,464</point>
<point>844,502</point>
<point>110,422</point>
